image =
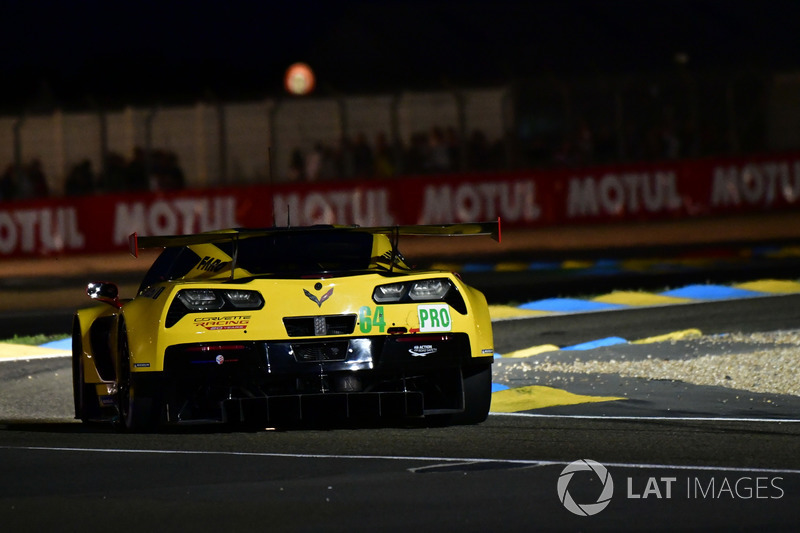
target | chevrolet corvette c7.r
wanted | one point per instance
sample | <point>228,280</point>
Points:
<point>278,326</point>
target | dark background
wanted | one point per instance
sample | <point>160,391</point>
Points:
<point>79,54</point>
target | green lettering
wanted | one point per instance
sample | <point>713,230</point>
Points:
<point>423,317</point>
<point>364,319</point>
<point>379,319</point>
<point>445,317</point>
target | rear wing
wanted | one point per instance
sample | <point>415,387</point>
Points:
<point>491,229</point>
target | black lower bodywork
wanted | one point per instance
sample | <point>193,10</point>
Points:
<point>319,381</point>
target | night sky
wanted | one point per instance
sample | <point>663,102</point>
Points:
<point>78,54</point>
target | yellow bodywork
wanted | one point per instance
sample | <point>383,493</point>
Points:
<point>148,336</point>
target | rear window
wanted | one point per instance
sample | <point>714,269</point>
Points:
<point>287,254</point>
<point>171,264</point>
<point>303,253</point>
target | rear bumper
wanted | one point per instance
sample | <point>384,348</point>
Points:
<point>308,379</point>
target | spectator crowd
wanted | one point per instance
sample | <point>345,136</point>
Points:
<point>439,151</point>
<point>157,170</point>
<point>21,182</point>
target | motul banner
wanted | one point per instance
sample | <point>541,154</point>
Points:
<point>644,192</point>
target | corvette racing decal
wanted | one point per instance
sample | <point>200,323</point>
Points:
<point>434,317</point>
<point>223,322</point>
<point>318,301</point>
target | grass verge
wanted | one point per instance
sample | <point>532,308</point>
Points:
<point>34,340</point>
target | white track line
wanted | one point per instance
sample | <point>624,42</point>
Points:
<point>35,357</point>
<point>656,418</point>
<point>442,460</point>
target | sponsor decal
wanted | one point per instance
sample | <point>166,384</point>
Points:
<point>211,264</point>
<point>356,205</point>
<point>513,201</point>
<point>487,351</point>
<point>219,359</point>
<point>40,230</point>
<point>318,301</point>
<point>434,317</point>
<point>760,184</point>
<point>220,323</point>
<point>171,216</point>
<point>141,365</point>
<point>423,350</point>
<point>614,194</point>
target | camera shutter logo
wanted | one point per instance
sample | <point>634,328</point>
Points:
<point>585,509</point>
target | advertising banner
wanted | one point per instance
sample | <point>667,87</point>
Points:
<point>534,198</point>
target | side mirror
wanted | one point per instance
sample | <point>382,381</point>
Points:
<point>105,292</point>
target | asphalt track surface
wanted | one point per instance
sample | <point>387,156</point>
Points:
<point>672,469</point>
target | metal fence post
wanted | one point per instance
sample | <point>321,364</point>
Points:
<point>18,147</point>
<point>397,141</point>
<point>222,143</point>
<point>148,144</point>
<point>274,144</point>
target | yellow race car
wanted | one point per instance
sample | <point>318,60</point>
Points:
<point>279,326</point>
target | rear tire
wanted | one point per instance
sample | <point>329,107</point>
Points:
<point>87,407</point>
<point>477,395</point>
<point>138,400</point>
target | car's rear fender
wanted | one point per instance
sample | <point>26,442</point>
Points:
<point>97,330</point>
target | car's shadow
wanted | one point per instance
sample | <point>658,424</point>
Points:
<point>69,426</point>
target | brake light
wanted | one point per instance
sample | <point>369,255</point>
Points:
<point>216,348</point>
